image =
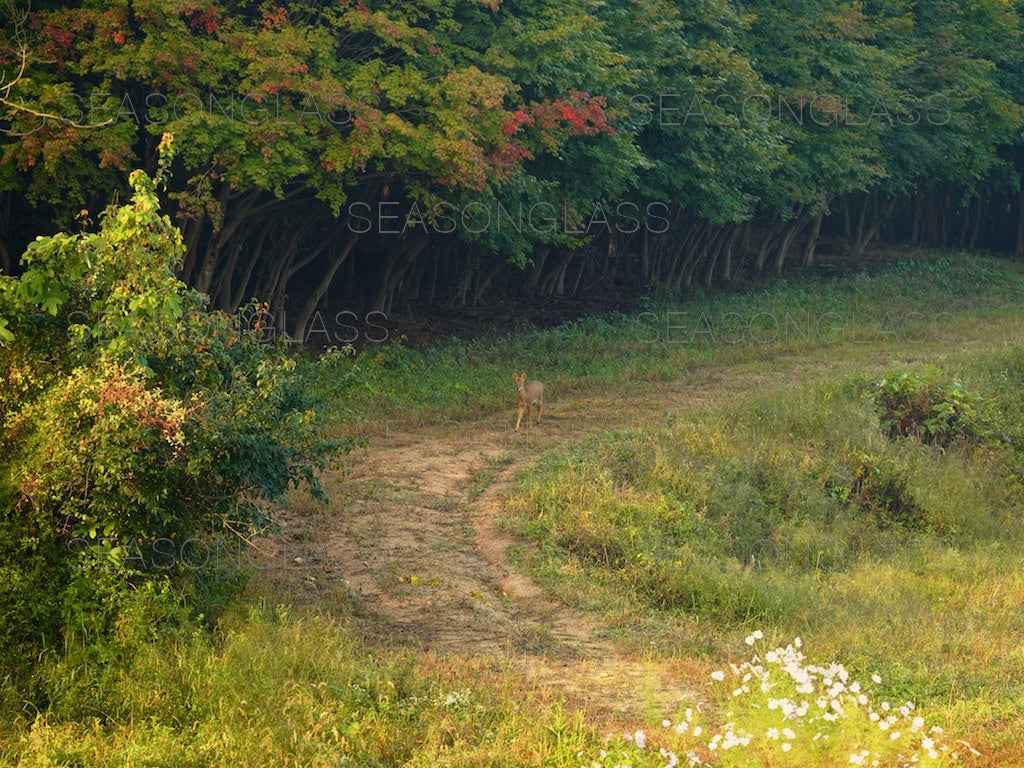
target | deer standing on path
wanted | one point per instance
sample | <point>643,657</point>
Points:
<point>529,393</point>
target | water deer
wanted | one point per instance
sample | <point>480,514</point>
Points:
<point>529,393</point>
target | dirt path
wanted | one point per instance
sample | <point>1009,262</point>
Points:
<point>412,543</point>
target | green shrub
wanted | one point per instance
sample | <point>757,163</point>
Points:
<point>934,413</point>
<point>131,413</point>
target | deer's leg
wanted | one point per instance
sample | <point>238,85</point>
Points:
<point>519,420</point>
<point>540,407</point>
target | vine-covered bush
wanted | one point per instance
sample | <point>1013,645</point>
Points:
<point>934,413</point>
<point>130,414</point>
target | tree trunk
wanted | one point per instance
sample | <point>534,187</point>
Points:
<point>1019,250</point>
<point>228,228</point>
<point>865,236</point>
<point>915,227</point>
<point>726,271</point>
<point>408,253</point>
<point>579,277</point>
<point>812,240</point>
<point>193,230</point>
<point>337,259</point>
<point>762,254</point>
<point>438,255</point>
<point>979,215</point>
<point>684,255</point>
<point>645,261</point>
<point>411,292</point>
<point>533,277</point>
<point>243,284</point>
<point>858,235</point>
<point>714,253</point>
<point>791,232</point>
<point>944,211</point>
<point>483,280</point>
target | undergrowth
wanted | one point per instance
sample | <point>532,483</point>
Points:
<point>804,512</point>
<point>921,297</point>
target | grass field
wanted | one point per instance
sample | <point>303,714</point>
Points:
<point>794,513</point>
<point>781,510</point>
<point>907,298</point>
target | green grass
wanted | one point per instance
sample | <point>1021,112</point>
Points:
<point>687,534</point>
<point>750,516</point>
<point>916,297</point>
<point>273,689</point>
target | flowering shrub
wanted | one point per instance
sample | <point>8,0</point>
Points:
<point>780,710</point>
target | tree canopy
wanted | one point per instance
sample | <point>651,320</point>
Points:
<point>435,151</point>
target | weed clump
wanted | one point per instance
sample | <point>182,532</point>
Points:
<point>929,411</point>
<point>881,487</point>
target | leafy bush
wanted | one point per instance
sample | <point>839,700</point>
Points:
<point>130,413</point>
<point>933,413</point>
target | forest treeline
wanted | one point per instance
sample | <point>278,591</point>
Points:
<point>386,154</point>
